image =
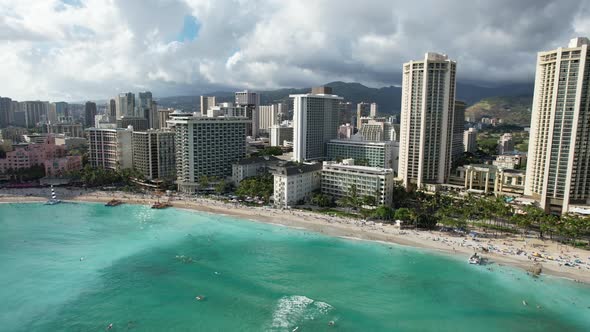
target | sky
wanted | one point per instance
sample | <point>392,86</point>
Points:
<point>77,50</point>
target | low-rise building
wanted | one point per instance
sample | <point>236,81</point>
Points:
<point>339,178</point>
<point>70,129</point>
<point>294,183</point>
<point>13,134</point>
<point>488,179</point>
<point>253,166</point>
<point>154,153</point>
<point>38,138</point>
<point>110,148</point>
<point>70,142</point>
<point>512,160</point>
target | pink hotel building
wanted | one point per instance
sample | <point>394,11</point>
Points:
<point>52,156</point>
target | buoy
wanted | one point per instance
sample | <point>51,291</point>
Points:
<point>524,302</point>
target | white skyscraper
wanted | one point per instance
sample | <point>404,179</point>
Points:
<point>144,104</point>
<point>125,105</point>
<point>315,123</point>
<point>470,140</point>
<point>373,110</point>
<point>558,166</point>
<point>206,103</point>
<point>269,115</point>
<point>505,144</point>
<point>428,103</point>
<point>110,148</point>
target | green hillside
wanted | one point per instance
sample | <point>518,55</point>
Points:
<point>513,110</point>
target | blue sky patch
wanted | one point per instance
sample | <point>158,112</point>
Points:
<point>75,3</point>
<point>63,4</point>
<point>190,29</point>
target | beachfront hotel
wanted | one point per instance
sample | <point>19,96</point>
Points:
<point>374,154</point>
<point>559,156</point>
<point>43,152</point>
<point>315,123</point>
<point>428,104</point>
<point>253,166</point>
<point>154,153</point>
<point>294,183</point>
<point>110,148</point>
<point>207,147</point>
<point>339,178</point>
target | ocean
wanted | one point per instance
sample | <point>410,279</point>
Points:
<point>83,266</point>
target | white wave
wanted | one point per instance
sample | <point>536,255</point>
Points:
<point>292,310</point>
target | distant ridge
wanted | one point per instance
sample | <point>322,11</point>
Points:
<point>388,98</point>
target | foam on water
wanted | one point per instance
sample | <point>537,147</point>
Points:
<point>291,311</point>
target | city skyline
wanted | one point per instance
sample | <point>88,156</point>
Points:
<point>73,51</point>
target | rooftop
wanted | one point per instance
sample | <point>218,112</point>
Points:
<point>293,168</point>
<point>258,160</point>
<point>357,168</point>
<point>358,142</point>
<point>578,42</point>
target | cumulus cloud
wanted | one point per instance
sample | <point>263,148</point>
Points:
<point>93,49</point>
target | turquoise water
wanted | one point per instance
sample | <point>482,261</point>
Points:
<point>141,270</point>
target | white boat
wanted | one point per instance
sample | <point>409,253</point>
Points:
<point>475,259</point>
<point>53,200</point>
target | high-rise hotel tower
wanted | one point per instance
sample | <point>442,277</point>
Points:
<point>315,123</point>
<point>558,167</point>
<point>428,104</point>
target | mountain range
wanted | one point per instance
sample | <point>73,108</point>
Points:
<point>388,98</point>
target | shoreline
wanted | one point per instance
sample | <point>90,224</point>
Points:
<point>352,229</point>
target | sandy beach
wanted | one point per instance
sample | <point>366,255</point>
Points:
<point>513,250</point>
